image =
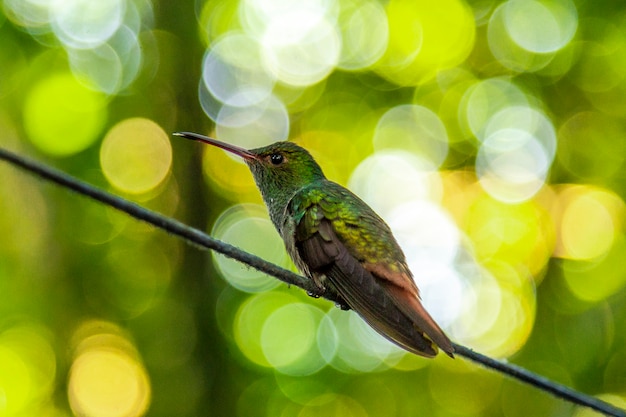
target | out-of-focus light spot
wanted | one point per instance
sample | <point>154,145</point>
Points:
<point>497,309</point>
<point>513,29</point>
<point>431,242</point>
<point>327,338</point>
<point>218,18</point>
<point>425,231</point>
<point>587,144</point>
<point>555,20</point>
<point>388,179</point>
<point>300,44</point>
<point>248,126</point>
<point>340,122</point>
<point>615,371</point>
<point>136,155</point>
<point>247,227</point>
<point>485,99</point>
<point>27,369</point>
<point>415,129</point>
<point>424,38</point>
<point>298,99</point>
<point>106,378</point>
<point>131,290</point>
<point>101,38</point>
<point>258,15</point>
<point>521,234</point>
<point>599,65</point>
<point>84,23</point>
<point>590,220</point>
<point>460,388</point>
<point>481,304</point>
<point>229,176</point>
<point>288,339</point>
<point>507,50</point>
<point>98,223</point>
<point>15,383</point>
<point>482,10</point>
<point>255,125</point>
<point>108,383</point>
<point>364,33</point>
<point>512,165</point>
<point>460,190</point>
<point>405,36</point>
<point>111,66</point>
<point>598,280</point>
<point>305,60</point>
<point>515,318</point>
<point>249,321</point>
<point>333,405</point>
<point>453,84</point>
<point>517,148</point>
<point>33,15</point>
<point>527,119</point>
<point>296,389</point>
<point>560,63</point>
<point>337,153</point>
<point>442,288</point>
<point>610,101</point>
<point>62,117</point>
<point>233,73</point>
<point>226,306</point>
<point>209,103</point>
<point>359,347</point>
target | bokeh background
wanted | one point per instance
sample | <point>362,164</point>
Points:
<point>489,134</point>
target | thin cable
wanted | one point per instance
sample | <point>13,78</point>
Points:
<point>540,382</point>
<point>201,239</point>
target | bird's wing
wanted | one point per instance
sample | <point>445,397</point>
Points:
<point>337,235</point>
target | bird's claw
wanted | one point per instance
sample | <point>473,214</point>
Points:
<point>315,294</point>
<point>342,305</point>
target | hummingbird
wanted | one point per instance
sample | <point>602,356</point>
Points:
<point>340,243</point>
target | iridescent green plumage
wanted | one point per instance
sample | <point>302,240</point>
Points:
<point>341,244</point>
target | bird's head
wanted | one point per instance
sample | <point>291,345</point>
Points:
<point>279,169</point>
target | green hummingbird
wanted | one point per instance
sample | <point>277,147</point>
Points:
<point>340,243</point>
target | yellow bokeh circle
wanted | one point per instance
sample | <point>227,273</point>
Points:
<point>63,117</point>
<point>590,220</point>
<point>249,323</point>
<point>424,38</point>
<point>106,378</point>
<point>136,155</point>
<point>107,382</point>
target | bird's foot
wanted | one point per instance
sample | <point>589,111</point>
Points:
<point>342,305</point>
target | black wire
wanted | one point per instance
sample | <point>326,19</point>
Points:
<point>539,381</point>
<point>201,239</point>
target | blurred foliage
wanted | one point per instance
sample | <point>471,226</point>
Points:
<point>490,135</point>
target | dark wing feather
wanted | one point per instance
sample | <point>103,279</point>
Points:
<point>361,290</point>
<point>370,275</point>
<point>371,302</point>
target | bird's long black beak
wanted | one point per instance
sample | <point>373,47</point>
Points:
<point>244,153</point>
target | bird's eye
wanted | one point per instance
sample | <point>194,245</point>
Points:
<point>276,159</point>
